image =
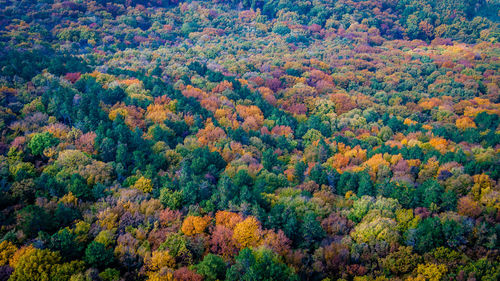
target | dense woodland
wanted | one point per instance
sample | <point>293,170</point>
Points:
<point>250,140</point>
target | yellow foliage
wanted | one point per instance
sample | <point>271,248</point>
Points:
<point>7,250</point>
<point>406,219</point>
<point>409,122</point>
<point>482,184</point>
<point>429,272</point>
<point>159,260</point>
<point>349,194</point>
<point>36,264</point>
<point>105,237</point>
<point>157,113</point>
<point>108,219</point>
<point>118,111</point>
<point>381,229</point>
<point>69,199</point>
<point>144,184</point>
<point>157,276</point>
<point>195,225</point>
<point>14,260</point>
<point>248,233</point>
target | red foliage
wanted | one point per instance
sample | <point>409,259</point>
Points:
<point>185,274</point>
<point>72,76</point>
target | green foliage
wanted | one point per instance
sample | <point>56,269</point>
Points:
<point>110,274</point>
<point>40,141</point>
<point>32,219</point>
<point>212,268</point>
<point>96,255</point>
<point>261,264</point>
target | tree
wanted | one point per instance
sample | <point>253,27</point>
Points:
<point>40,141</point>
<point>222,242</point>
<point>247,233</point>
<point>144,184</point>
<point>300,168</point>
<point>331,259</point>
<point>430,271</point>
<point>261,264</point>
<point>160,260</point>
<point>32,219</point>
<point>318,175</point>
<point>212,268</point>
<point>377,229</point>
<point>401,261</point>
<point>365,184</point>
<point>269,160</point>
<point>185,274</point>
<point>96,255</point>
<point>432,193</point>
<point>195,225</point>
<point>310,230</point>
<point>43,265</point>
<point>64,241</point>
<point>427,236</point>
<point>78,186</point>
<point>110,274</point>
<point>7,250</point>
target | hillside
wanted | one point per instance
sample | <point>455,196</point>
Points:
<point>250,140</point>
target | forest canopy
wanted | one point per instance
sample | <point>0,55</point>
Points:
<point>351,140</point>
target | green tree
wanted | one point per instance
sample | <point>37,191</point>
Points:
<point>110,274</point>
<point>365,185</point>
<point>261,264</point>
<point>311,230</point>
<point>64,242</point>
<point>427,236</point>
<point>79,187</point>
<point>212,268</point>
<point>32,219</point>
<point>300,168</point>
<point>96,255</point>
<point>318,175</point>
<point>41,141</point>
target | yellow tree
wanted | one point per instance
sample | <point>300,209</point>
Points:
<point>248,233</point>
<point>7,250</point>
<point>144,184</point>
<point>429,272</point>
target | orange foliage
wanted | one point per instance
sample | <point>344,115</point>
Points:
<point>465,123</point>
<point>343,103</point>
<point>374,164</point>
<point>428,104</point>
<point>252,115</point>
<point>227,219</point>
<point>222,86</point>
<point>439,144</point>
<point>134,116</point>
<point>210,134</point>
<point>195,225</point>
